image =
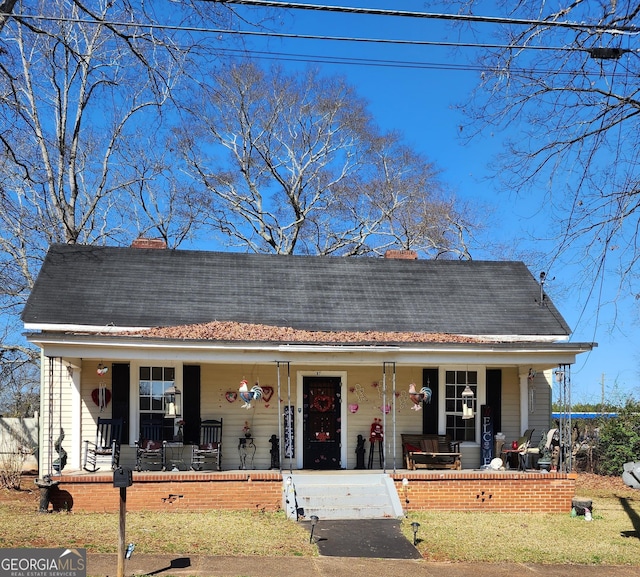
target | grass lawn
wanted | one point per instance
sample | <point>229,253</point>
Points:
<point>611,538</point>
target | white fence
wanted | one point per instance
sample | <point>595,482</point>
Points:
<point>20,436</point>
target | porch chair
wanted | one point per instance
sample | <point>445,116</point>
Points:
<point>209,451</point>
<point>150,448</point>
<point>106,448</point>
<point>548,450</point>
<point>522,449</point>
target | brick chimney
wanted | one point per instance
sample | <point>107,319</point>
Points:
<point>142,242</point>
<point>401,254</point>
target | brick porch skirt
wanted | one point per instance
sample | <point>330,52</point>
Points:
<point>503,491</point>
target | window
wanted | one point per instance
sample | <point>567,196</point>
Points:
<point>154,382</point>
<point>455,382</point>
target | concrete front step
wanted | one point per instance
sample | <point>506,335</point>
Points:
<point>341,496</point>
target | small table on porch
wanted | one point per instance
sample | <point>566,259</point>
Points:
<point>177,456</point>
<point>507,455</point>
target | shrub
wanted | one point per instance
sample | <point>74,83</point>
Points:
<point>11,462</point>
<point>619,440</point>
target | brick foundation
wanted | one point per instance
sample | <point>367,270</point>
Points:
<point>172,492</point>
<point>262,490</point>
<point>483,491</point>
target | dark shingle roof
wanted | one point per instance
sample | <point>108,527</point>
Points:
<point>130,287</point>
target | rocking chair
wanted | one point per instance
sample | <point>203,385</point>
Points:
<point>106,447</point>
<point>150,448</point>
<point>209,451</point>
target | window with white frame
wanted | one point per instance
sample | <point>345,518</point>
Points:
<point>153,385</point>
<point>459,428</point>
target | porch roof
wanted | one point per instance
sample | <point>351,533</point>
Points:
<point>124,346</point>
<point>92,289</point>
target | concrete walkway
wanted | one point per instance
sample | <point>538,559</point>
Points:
<point>103,565</point>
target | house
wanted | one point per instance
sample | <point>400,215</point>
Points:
<point>332,343</point>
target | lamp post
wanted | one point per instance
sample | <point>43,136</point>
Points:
<point>415,526</point>
<point>314,521</point>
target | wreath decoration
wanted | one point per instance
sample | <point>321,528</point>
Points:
<point>322,403</point>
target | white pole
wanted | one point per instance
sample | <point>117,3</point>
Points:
<point>393,406</point>
<point>384,415</point>
<point>279,420</point>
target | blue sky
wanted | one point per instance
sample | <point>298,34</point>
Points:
<point>420,102</point>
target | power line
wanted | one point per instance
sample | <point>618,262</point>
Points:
<point>377,62</point>
<point>325,59</point>
<point>284,35</point>
<point>436,16</point>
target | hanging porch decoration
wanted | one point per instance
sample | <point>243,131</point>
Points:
<point>424,396</point>
<point>467,403</point>
<point>256,393</point>
<point>101,396</point>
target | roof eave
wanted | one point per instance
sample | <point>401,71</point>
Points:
<point>87,338</point>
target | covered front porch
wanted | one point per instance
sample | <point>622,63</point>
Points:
<point>315,409</point>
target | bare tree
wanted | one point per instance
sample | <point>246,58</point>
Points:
<point>294,163</point>
<point>19,385</point>
<point>565,87</point>
<point>6,8</point>
<point>71,95</point>
<point>87,97</point>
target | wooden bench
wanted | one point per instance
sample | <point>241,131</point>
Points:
<point>431,452</point>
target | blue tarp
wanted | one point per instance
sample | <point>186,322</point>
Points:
<point>584,415</point>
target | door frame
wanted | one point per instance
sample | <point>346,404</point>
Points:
<point>299,433</point>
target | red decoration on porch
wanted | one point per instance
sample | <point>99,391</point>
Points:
<point>322,403</point>
<point>376,433</point>
<point>267,393</point>
<point>231,396</point>
<point>95,396</point>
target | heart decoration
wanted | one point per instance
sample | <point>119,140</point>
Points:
<point>267,393</point>
<point>231,396</point>
<point>95,396</point>
<point>322,403</point>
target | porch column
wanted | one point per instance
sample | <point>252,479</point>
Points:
<point>76,416</point>
<point>524,399</point>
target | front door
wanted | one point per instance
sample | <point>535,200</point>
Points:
<point>321,422</point>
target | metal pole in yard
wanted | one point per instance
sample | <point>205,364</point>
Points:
<point>121,532</point>
<point>291,417</point>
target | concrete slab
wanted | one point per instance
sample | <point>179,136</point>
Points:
<point>368,538</point>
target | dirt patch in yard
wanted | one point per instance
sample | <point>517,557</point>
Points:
<point>588,484</point>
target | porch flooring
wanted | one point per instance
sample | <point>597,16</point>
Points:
<point>242,474</point>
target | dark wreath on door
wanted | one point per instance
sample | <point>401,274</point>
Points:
<point>321,422</point>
